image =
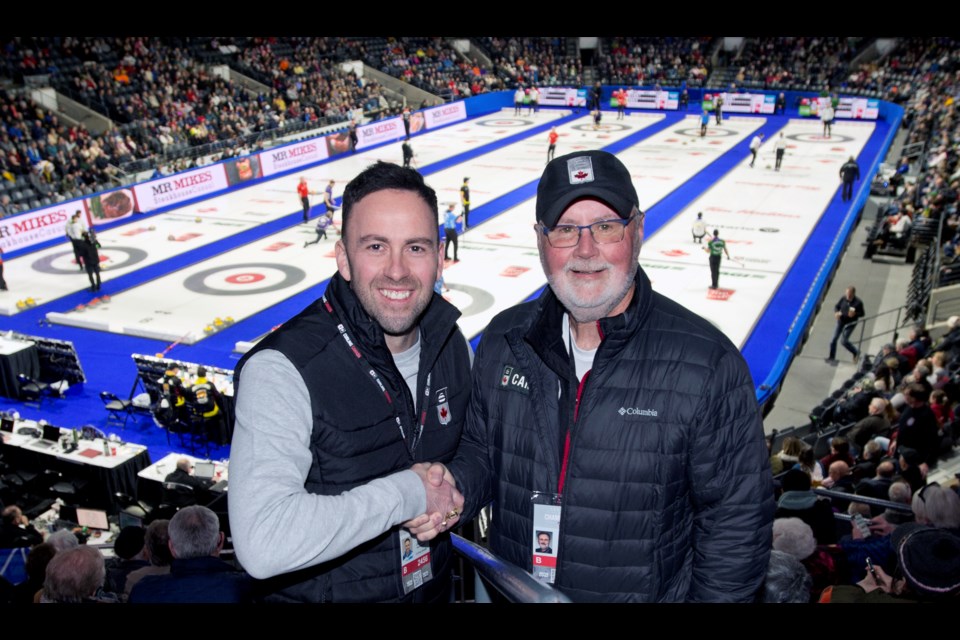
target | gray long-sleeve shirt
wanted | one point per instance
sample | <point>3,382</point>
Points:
<point>277,525</point>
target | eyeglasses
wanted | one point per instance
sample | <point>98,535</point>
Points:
<point>564,236</point>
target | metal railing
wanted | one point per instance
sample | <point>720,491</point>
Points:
<point>954,310</point>
<point>852,497</point>
<point>510,580</point>
<point>862,325</point>
<point>252,139</point>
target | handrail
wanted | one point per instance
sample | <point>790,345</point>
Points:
<point>513,582</point>
<point>853,497</point>
<point>936,307</point>
<point>862,322</point>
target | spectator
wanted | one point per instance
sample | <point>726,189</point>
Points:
<point>197,574</point>
<point>795,537</point>
<point>879,485</point>
<point>74,576</point>
<point>787,580</point>
<point>157,551</point>
<point>928,561</point>
<point>839,480</point>
<point>29,592</point>
<point>799,501</point>
<point>938,507</point>
<point>788,456</point>
<point>874,424</point>
<point>64,539</point>
<point>917,427</point>
<point>839,450</point>
<point>129,556</point>
<point>16,530</point>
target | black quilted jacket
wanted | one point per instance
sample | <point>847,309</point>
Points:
<point>668,494</point>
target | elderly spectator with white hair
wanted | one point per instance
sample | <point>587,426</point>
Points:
<point>795,537</point>
<point>63,539</point>
<point>875,424</point>
<point>787,580</point>
<point>937,506</point>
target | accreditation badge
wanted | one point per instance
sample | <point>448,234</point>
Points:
<point>545,536</point>
<point>415,566</point>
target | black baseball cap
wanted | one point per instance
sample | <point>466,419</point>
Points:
<point>584,174</point>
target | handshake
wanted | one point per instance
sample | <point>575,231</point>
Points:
<point>444,502</point>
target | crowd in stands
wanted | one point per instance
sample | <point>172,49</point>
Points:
<point>530,62</point>
<point>655,61</point>
<point>433,65</point>
<point>169,561</point>
<point>795,63</point>
<point>304,77</point>
<point>161,103</point>
<point>917,64</point>
<point>886,432</point>
<point>901,416</point>
<point>41,157</point>
<point>921,75</point>
<point>165,101</point>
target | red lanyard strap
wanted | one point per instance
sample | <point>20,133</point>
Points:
<point>375,378</point>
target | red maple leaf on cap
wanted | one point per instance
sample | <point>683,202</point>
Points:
<point>580,175</point>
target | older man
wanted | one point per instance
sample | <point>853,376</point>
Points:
<point>875,424</point>
<point>197,574</point>
<point>879,485</point>
<point>615,418</point>
<point>16,530</point>
<point>839,479</point>
<point>183,474</point>
<point>76,575</point>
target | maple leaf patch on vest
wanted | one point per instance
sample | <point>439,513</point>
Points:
<point>443,406</point>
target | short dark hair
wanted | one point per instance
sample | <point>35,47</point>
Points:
<point>840,445</point>
<point>796,479</point>
<point>156,541</point>
<point>40,556</point>
<point>129,542</point>
<point>11,515</point>
<point>381,176</point>
<point>916,391</point>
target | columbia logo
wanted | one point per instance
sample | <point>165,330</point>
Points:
<point>637,411</point>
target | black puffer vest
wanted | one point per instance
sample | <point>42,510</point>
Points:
<point>355,437</point>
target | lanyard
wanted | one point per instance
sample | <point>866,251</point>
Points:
<point>375,378</point>
<point>576,407</point>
